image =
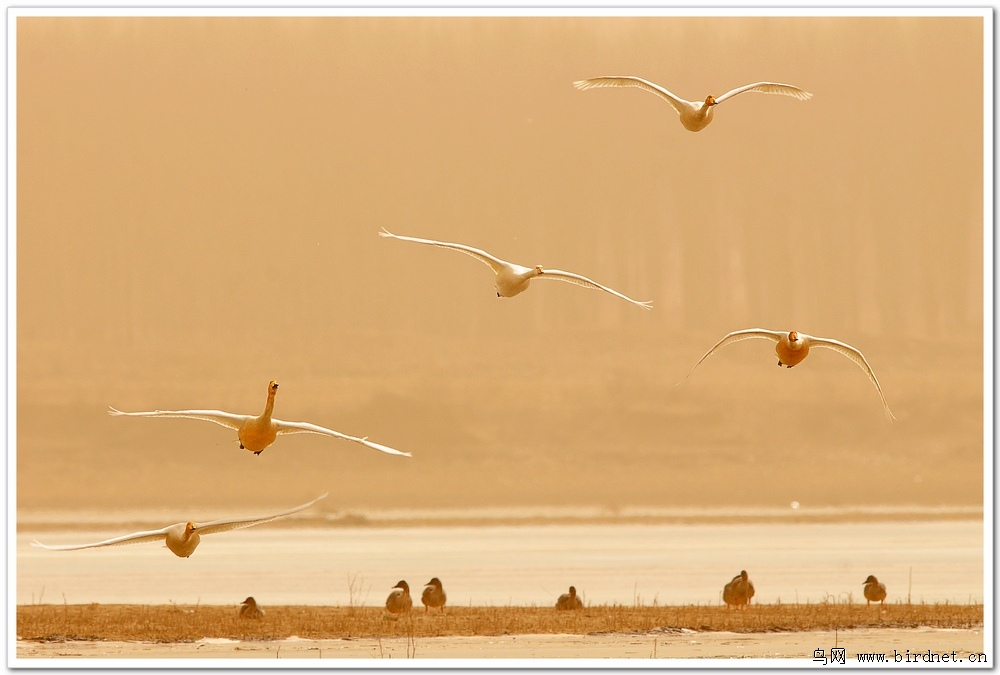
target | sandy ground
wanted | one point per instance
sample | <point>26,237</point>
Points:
<point>680,645</point>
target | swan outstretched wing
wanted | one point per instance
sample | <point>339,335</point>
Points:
<point>854,355</point>
<point>240,523</point>
<point>496,264</point>
<point>676,102</point>
<point>134,538</point>
<point>580,280</point>
<point>230,420</point>
<point>767,88</point>
<point>737,336</point>
<point>307,428</point>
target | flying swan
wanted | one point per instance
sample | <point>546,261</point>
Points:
<point>792,347</point>
<point>513,279</point>
<point>695,115</point>
<point>183,538</point>
<point>256,433</point>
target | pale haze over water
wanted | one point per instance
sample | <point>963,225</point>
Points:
<point>522,565</point>
<point>198,202</point>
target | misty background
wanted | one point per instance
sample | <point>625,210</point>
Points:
<point>198,201</point>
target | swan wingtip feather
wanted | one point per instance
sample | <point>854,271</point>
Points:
<point>382,448</point>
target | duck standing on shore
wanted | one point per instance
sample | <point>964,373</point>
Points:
<point>433,595</point>
<point>739,591</point>
<point>399,599</point>
<point>250,609</point>
<point>874,590</point>
<point>569,600</point>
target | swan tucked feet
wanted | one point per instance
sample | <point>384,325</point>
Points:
<point>792,347</point>
<point>694,115</point>
<point>512,279</point>
<point>183,538</point>
<point>257,433</point>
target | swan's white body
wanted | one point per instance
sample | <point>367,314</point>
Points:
<point>256,433</point>
<point>694,115</point>
<point>512,279</point>
<point>183,538</point>
<point>792,347</point>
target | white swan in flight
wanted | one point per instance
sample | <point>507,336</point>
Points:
<point>792,347</point>
<point>694,115</point>
<point>513,279</point>
<point>256,433</point>
<point>183,538</point>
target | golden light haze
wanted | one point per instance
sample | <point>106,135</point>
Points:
<point>198,202</point>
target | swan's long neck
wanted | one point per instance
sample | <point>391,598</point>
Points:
<point>269,406</point>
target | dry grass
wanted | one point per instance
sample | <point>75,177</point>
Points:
<point>170,623</point>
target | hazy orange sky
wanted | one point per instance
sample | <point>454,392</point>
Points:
<point>198,201</point>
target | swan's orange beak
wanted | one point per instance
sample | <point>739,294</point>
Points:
<point>538,268</point>
<point>710,100</point>
<point>273,386</point>
<point>793,336</point>
<point>190,528</point>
